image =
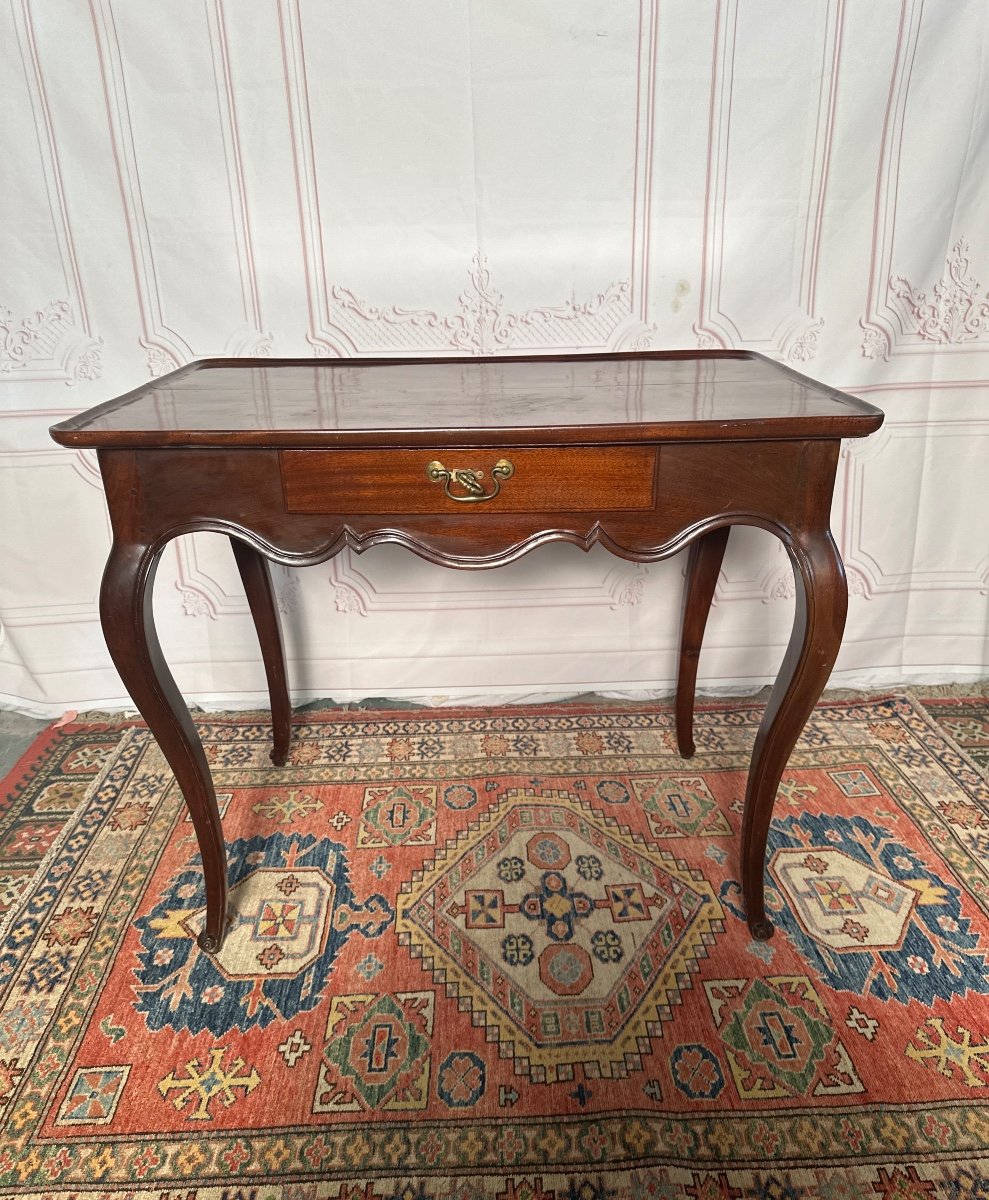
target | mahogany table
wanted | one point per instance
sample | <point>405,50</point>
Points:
<point>471,463</point>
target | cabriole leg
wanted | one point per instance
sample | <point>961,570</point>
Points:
<point>703,566</point>
<point>822,602</point>
<point>128,626</point>
<point>256,578</point>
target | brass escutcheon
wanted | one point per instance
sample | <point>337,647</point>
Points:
<point>469,478</point>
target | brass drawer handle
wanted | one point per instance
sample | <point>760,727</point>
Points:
<point>470,480</point>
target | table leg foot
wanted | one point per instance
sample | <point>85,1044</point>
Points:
<point>256,578</point>
<point>762,930</point>
<point>209,943</point>
<point>703,566</point>
<point>822,601</point>
<point>128,626</point>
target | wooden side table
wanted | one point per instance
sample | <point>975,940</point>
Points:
<point>471,463</point>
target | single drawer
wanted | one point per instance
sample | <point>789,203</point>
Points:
<point>498,480</point>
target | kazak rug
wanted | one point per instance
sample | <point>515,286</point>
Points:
<point>501,954</point>
<point>45,789</point>
<point>966,720</point>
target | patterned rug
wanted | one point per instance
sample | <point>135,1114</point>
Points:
<point>42,792</point>
<point>499,953</point>
<point>966,720</point>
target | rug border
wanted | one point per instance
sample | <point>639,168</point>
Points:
<point>8,918</point>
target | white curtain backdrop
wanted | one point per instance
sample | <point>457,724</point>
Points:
<point>805,178</point>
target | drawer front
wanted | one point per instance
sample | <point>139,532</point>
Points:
<point>496,480</point>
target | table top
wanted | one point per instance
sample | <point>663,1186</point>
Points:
<point>720,395</point>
